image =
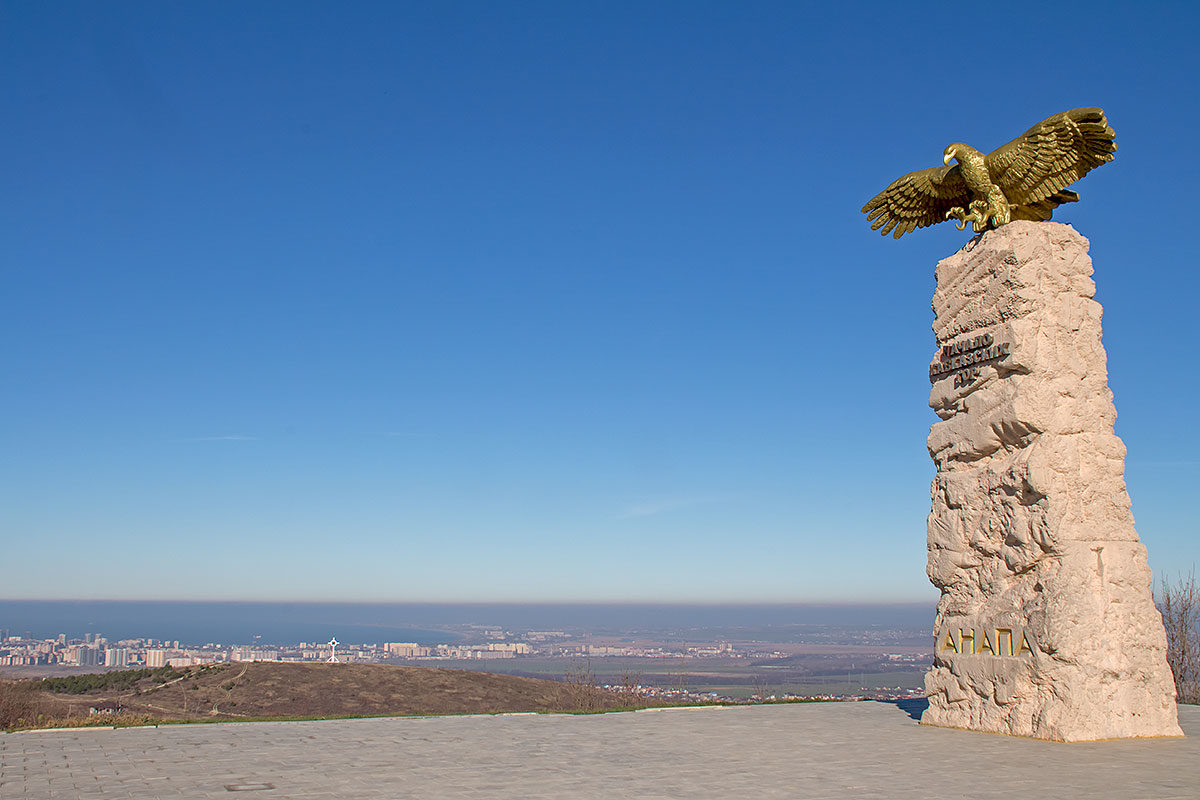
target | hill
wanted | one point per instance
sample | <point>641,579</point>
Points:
<point>280,690</point>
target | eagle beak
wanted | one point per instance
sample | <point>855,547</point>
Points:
<point>947,157</point>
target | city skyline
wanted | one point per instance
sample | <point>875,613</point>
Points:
<point>533,304</point>
<point>729,665</point>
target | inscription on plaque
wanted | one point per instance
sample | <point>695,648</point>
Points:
<point>966,357</point>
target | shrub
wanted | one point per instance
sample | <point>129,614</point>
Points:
<point>1179,603</point>
<point>20,704</point>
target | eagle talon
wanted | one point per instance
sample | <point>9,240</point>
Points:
<point>975,216</point>
<point>959,214</point>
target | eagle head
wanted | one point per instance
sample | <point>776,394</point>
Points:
<point>952,151</point>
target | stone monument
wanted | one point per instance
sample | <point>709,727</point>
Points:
<point>1046,626</point>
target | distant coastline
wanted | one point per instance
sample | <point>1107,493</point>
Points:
<point>281,623</point>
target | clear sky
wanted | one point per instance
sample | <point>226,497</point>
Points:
<point>537,301</point>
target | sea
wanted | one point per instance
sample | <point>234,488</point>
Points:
<point>196,622</point>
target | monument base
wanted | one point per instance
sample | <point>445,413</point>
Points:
<point>1046,626</point>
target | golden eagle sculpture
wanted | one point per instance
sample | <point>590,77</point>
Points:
<point>1024,179</point>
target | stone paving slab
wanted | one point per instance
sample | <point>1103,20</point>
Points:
<point>859,750</point>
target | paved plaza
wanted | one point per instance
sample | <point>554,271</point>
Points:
<point>859,750</point>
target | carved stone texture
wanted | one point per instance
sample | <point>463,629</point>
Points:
<point>1046,626</point>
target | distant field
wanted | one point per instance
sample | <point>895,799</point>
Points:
<point>820,685</point>
<point>732,678</point>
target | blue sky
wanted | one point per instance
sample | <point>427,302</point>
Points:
<point>536,301</point>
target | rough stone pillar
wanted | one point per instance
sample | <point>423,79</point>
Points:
<point>1046,626</point>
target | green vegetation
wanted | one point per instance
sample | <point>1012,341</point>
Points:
<point>108,681</point>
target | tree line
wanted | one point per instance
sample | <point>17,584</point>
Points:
<point>118,680</point>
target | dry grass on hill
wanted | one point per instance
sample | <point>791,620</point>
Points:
<point>266,689</point>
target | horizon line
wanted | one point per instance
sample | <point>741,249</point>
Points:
<point>530,602</point>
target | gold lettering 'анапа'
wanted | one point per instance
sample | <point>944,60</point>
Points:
<point>978,641</point>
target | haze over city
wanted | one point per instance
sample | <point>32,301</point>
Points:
<point>470,302</point>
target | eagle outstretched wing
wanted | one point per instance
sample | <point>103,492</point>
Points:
<point>1052,155</point>
<point>917,200</point>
